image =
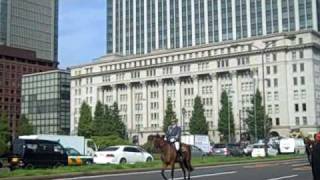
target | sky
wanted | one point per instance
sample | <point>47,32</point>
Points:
<point>82,31</point>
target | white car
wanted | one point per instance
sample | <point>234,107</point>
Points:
<point>122,155</point>
<point>259,151</point>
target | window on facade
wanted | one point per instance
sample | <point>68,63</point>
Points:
<point>275,69</point>
<point>297,121</point>
<point>269,109</point>
<point>276,95</point>
<point>304,107</point>
<point>302,80</point>
<point>278,121</point>
<point>296,107</point>
<point>268,69</point>
<point>303,94</point>
<point>295,81</point>
<point>301,67</point>
<point>294,55</point>
<point>276,108</point>
<point>301,54</point>
<point>275,82</point>
<point>274,56</point>
<point>305,120</point>
<point>268,83</point>
<point>295,94</point>
<point>294,67</point>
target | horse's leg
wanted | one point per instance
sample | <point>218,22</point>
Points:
<point>162,172</point>
<point>183,169</point>
<point>172,170</point>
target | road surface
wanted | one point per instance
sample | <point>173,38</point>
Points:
<point>293,170</point>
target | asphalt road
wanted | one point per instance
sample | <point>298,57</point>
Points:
<point>293,170</point>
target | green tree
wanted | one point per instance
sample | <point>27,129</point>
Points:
<point>119,128</point>
<point>198,122</point>
<point>255,119</point>
<point>4,133</point>
<point>169,115</point>
<point>226,119</point>
<point>106,141</point>
<point>98,124</point>
<point>24,128</point>
<point>85,121</point>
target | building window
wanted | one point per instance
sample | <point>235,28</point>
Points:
<point>275,82</point>
<point>302,80</point>
<point>305,120</point>
<point>278,121</point>
<point>297,121</point>
<point>295,81</point>
<point>274,56</point>
<point>276,95</point>
<point>294,68</point>
<point>268,83</point>
<point>276,108</point>
<point>303,94</point>
<point>275,69</point>
<point>296,107</point>
<point>304,107</point>
<point>268,69</point>
<point>301,54</point>
<point>269,109</point>
<point>301,67</point>
<point>296,95</point>
<point>294,55</point>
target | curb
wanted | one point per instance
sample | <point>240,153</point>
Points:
<point>98,173</point>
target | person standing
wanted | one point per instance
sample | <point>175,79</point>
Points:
<point>315,162</point>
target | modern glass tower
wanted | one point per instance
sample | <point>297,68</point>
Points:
<point>141,26</point>
<point>31,25</point>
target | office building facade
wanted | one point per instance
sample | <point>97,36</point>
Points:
<point>142,26</point>
<point>46,101</point>
<point>142,84</point>
<point>14,63</point>
<point>31,25</point>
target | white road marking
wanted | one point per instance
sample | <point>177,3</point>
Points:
<point>284,177</point>
<point>301,164</point>
<point>208,175</point>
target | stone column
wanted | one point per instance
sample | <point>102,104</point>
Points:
<point>161,101</point>
<point>114,93</point>
<point>130,107</point>
<point>178,98</point>
<point>144,102</point>
<point>195,80</point>
<point>235,101</point>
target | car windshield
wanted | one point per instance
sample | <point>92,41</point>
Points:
<point>258,146</point>
<point>72,152</point>
<point>110,149</point>
<point>219,146</point>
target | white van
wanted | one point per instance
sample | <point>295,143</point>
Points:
<point>292,145</point>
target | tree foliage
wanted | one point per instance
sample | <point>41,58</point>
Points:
<point>99,120</point>
<point>106,141</point>
<point>85,121</point>
<point>119,128</point>
<point>24,128</point>
<point>4,133</point>
<point>226,119</point>
<point>256,117</point>
<point>198,122</point>
<point>169,115</point>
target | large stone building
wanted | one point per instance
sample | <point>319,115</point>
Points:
<point>142,26</point>
<point>142,84</point>
<point>46,101</point>
<point>14,63</point>
<point>31,25</point>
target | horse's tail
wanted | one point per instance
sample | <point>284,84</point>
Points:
<point>187,161</point>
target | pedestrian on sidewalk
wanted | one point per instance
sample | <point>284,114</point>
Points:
<point>316,158</point>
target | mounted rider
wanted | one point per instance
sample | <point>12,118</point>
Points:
<point>173,136</point>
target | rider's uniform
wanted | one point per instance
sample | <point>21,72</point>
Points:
<point>173,135</point>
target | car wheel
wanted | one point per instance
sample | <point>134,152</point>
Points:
<point>29,166</point>
<point>149,159</point>
<point>123,161</point>
<point>89,162</point>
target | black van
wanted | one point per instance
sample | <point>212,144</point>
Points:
<point>37,153</point>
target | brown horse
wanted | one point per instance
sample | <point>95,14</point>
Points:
<point>169,156</point>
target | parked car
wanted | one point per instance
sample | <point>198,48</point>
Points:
<point>122,155</point>
<point>37,153</point>
<point>75,158</point>
<point>197,152</point>
<point>259,150</point>
<point>248,150</point>
<point>227,150</point>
